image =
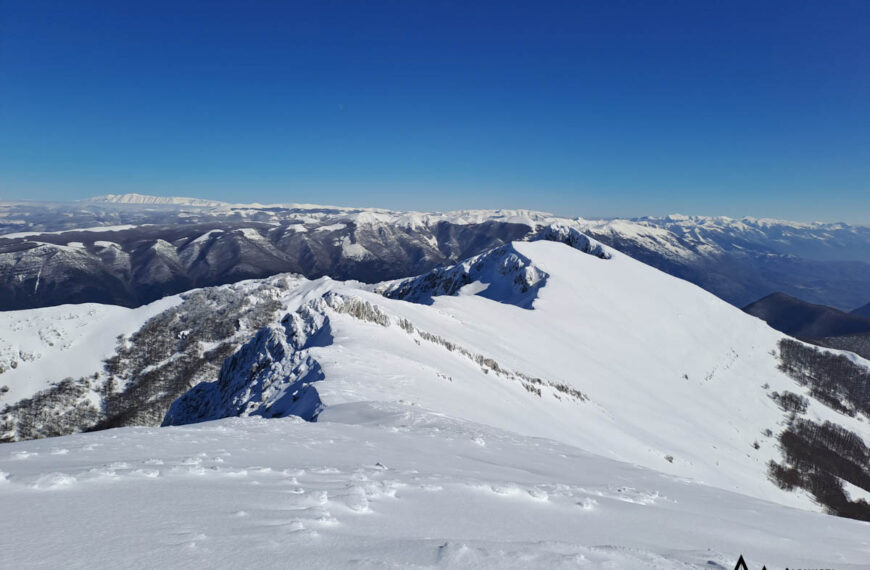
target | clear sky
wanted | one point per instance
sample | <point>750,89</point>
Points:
<point>581,108</point>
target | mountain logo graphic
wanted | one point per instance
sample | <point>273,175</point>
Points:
<point>741,564</point>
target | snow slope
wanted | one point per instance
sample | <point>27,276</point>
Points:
<point>42,346</point>
<point>614,357</point>
<point>376,485</point>
<point>544,404</point>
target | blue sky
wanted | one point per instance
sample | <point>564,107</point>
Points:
<point>581,108</point>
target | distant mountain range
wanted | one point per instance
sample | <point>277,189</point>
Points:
<point>131,249</point>
<point>863,311</point>
<point>799,318</point>
<point>743,260</point>
<point>143,199</point>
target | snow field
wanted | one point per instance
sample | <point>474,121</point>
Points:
<point>411,489</point>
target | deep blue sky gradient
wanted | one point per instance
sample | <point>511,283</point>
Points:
<point>582,108</point>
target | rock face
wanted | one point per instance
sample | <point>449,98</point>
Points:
<point>502,274</point>
<point>270,376</point>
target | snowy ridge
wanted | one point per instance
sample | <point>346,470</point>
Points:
<point>564,233</point>
<point>641,366</point>
<point>502,274</point>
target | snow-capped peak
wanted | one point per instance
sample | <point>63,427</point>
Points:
<point>144,199</point>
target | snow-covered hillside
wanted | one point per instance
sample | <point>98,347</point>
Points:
<point>608,355</point>
<point>83,367</point>
<point>39,347</point>
<point>378,485</point>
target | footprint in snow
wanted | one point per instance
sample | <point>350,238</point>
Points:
<point>539,494</point>
<point>587,504</point>
<point>504,490</point>
<point>147,473</point>
<point>296,526</point>
<point>356,499</point>
<point>103,472</point>
<point>52,481</point>
<point>22,455</point>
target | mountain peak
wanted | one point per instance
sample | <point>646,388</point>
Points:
<point>144,199</point>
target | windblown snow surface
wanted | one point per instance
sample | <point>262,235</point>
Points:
<point>587,412</point>
<point>375,485</point>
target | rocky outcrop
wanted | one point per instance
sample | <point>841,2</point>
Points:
<point>272,375</point>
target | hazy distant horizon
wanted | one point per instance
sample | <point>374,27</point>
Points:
<point>252,199</point>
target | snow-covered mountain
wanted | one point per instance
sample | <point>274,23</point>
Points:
<point>743,260</point>
<point>569,341</point>
<point>812,240</point>
<point>143,199</point>
<point>536,338</point>
<point>132,264</point>
<point>134,249</point>
<point>634,419</point>
<point>39,346</point>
